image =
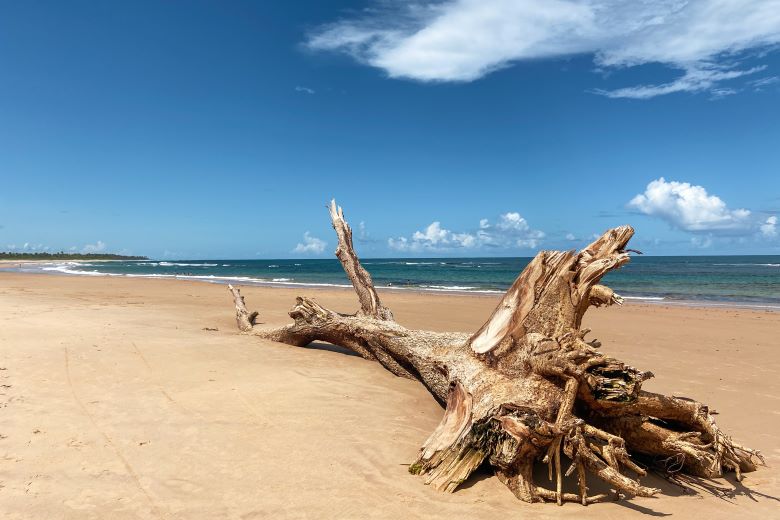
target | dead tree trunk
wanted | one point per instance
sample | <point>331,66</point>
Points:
<point>527,386</point>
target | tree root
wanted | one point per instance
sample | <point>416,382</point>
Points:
<point>526,387</point>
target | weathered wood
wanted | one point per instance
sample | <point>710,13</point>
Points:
<point>244,319</point>
<point>361,280</point>
<point>526,387</point>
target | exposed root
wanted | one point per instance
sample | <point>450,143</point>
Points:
<point>526,387</point>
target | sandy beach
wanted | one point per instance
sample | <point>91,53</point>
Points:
<point>136,398</point>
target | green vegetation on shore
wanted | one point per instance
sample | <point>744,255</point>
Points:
<point>67,256</point>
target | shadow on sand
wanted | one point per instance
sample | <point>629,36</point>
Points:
<point>675,485</point>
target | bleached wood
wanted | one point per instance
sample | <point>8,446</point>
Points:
<point>526,387</point>
<point>370,305</point>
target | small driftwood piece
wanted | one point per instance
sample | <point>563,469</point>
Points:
<point>527,387</point>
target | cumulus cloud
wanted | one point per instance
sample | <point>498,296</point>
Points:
<point>769,227</point>
<point>27,247</point>
<point>304,90</point>
<point>433,237</point>
<point>512,227</point>
<point>690,208</point>
<point>463,40</point>
<point>97,247</point>
<point>510,231</point>
<point>310,244</point>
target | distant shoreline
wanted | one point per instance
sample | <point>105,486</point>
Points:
<point>6,263</point>
<point>66,257</point>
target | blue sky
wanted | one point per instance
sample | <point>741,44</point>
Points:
<point>458,128</point>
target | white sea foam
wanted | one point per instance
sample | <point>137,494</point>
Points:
<point>311,284</point>
<point>647,298</point>
<point>177,264</point>
<point>449,287</point>
<point>282,280</point>
<point>67,270</point>
<point>215,277</point>
<point>441,288</point>
<point>748,264</point>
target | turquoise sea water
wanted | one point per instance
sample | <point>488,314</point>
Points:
<point>744,280</point>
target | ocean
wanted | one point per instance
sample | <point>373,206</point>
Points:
<point>752,281</point>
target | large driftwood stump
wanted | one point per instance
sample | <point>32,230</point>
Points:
<point>526,387</point>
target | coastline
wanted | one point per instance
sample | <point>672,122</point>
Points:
<point>137,398</point>
<point>18,267</point>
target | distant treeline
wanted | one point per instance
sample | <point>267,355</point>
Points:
<point>62,255</point>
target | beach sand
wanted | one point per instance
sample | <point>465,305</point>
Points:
<point>119,401</point>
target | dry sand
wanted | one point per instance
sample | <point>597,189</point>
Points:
<point>118,402</point>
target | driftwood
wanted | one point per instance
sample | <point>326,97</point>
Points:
<point>527,387</point>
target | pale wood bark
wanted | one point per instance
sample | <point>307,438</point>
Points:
<point>526,387</point>
<point>361,280</point>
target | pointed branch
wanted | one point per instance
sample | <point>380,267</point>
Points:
<point>357,274</point>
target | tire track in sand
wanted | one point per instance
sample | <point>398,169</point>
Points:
<point>108,440</point>
<point>160,386</point>
<point>248,406</point>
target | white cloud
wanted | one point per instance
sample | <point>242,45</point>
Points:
<point>769,227</point>
<point>304,90</point>
<point>310,244</point>
<point>761,83</point>
<point>510,231</point>
<point>702,242</point>
<point>570,237</point>
<point>433,237</point>
<point>399,244</point>
<point>97,247</point>
<point>463,40</point>
<point>697,79</point>
<point>27,246</point>
<point>511,221</point>
<point>690,208</point>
